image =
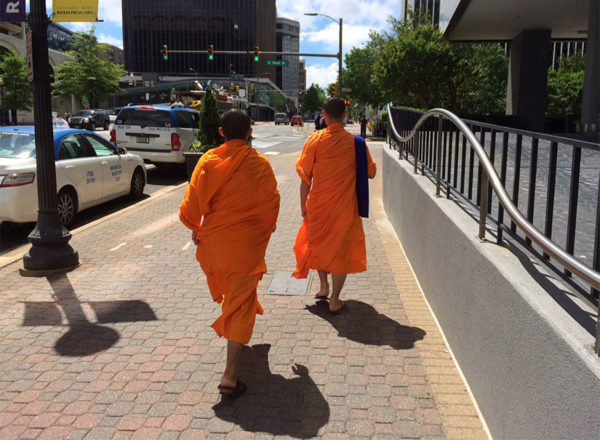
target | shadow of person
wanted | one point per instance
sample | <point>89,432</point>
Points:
<point>273,404</point>
<point>360,322</point>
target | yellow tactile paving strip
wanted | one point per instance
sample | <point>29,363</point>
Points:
<point>460,418</point>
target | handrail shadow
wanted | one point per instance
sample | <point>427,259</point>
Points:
<point>362,323</point>
<point>273,404</point>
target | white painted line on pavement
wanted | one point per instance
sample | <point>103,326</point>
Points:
<point>271,153</point>
<point>148,246</point>
<point>187,246</point>
<point>117,247</point>
<point>263,144</point>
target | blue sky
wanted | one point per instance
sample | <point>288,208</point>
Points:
<point>317,34</point>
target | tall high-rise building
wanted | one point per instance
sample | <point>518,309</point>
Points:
<point>430,7</point>
<point>190,25</point>
<point>302,75</point>
<point>287,35</point>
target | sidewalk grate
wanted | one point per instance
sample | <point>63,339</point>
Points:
<point>283,283</point>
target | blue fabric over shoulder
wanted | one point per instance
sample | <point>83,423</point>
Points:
<point>362,176</point>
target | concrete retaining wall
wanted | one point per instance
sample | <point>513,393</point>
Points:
<point>522,342</point>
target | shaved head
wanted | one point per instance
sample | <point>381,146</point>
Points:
<point>335,108</point>
<point>235,124</point>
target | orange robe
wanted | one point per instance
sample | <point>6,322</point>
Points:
<point>232,203</point>
<point>331,237</point>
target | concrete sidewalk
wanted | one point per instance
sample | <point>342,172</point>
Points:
<point>122,347</point>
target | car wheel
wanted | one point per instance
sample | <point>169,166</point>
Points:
<point>92,126</point>
<point>137,184</point>
<point>67,206</point>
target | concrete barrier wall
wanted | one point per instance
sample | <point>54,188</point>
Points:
<point>522,342</point>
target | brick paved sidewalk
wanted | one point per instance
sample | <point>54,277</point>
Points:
<point>122,346</point>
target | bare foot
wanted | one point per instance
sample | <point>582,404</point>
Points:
<point>336,307</point>
<point>323,293</point>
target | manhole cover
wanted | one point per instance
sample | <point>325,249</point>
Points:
<point>283,283</point>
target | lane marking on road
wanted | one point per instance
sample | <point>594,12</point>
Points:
<point>148,246</point>
<point>271,153</point>
<point>187,246</point>
<point>259,144</point>
<point>119,246</point>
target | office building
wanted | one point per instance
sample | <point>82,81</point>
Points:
<point>429,7</point>
<point>287,36</point>
<point>192,25</point>
<point>302,75</point>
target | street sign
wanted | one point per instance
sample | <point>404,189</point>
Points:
<point>12,11</point>
<point>346,90</point>
<point>277,62</point>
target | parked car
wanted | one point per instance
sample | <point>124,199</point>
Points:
<point>281,118</point>
<point>297,120</point>
<point>90,119</point>
<point>89,171</point>
<point>159,134</point>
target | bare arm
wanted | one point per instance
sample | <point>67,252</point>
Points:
<point>304,189</point>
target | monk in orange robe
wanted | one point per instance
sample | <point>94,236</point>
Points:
<point>331,238</point>
<point>231,205</point>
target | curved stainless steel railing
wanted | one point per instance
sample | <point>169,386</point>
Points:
<point>569,262</point>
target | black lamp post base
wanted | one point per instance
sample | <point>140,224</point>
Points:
<point>45,260</point>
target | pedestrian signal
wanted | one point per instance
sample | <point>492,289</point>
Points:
<point>165,52</point>
<point>211,52</point>
<point>256,53</point>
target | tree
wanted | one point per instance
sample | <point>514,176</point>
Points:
<point>18,94</point>
<point>89,76</point>
<point>359,70</point>
<point>313,101</point>
<point>209,136</point>
<point>565,87</point>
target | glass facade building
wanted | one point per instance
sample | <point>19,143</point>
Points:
<point>229,25</point>
<point>430,7</point>
<point>288,40</point>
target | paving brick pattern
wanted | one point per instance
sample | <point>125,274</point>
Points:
<point>121,347</point>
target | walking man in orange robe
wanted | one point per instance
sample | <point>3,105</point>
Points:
<point>231,206</point>
<point>331,238</point>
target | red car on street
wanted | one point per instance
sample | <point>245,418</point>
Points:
<point>296,120</point>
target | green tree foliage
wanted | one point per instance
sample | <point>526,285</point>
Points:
<point>277,101</point>
<point>89,76</point>
<point>17,93</point>
<point>209,136</point>
<point>313,101</point>
<point>359,70</point>
<point>565,87</point>
<point>412,65</point>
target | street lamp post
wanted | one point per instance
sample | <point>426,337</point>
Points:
<point>50,251</point>
<point>340,22</point>
<point>1,101</point>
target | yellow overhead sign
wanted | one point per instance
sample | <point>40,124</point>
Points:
<point>74,10</point>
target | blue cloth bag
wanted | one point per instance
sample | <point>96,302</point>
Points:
<point>362,176</point>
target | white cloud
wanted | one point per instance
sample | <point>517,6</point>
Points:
<point>118,42</point>
<point>110,11</point>
<point>321,74</point>
<point>328,37</point>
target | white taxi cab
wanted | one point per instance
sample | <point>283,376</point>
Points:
<point>89,170</point>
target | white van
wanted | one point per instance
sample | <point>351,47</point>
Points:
<point>158,134</point>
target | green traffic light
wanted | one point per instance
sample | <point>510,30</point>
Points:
<point>165,57</point>
<point>255,58</point>
<point>210,57</point>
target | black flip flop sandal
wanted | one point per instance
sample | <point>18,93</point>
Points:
<point>235,391</point>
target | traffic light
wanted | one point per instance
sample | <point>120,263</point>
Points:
<point>300,92</point>
<point>211,52</point>
<point>346,101</point>
<point>256,53</point>
<point>334,89</point>
<point>165,52</point>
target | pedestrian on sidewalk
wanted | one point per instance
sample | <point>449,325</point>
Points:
<point>231,206</point>
<point>331,238</point>
<point>363,126</point>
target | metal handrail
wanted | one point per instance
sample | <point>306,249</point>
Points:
<point>568,261</point>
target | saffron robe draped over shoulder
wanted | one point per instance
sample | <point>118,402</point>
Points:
<point>331,237</point>
<point>232,203</point>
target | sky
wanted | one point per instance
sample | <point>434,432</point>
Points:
<point>317,34</point>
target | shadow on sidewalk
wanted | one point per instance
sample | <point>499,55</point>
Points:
<point>84,337</point>
<point>361,323</point>
<point>273,404</point>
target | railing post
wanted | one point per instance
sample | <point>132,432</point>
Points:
<point>417,137</point>
<point>438,161</point>
<point>483,184</point>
